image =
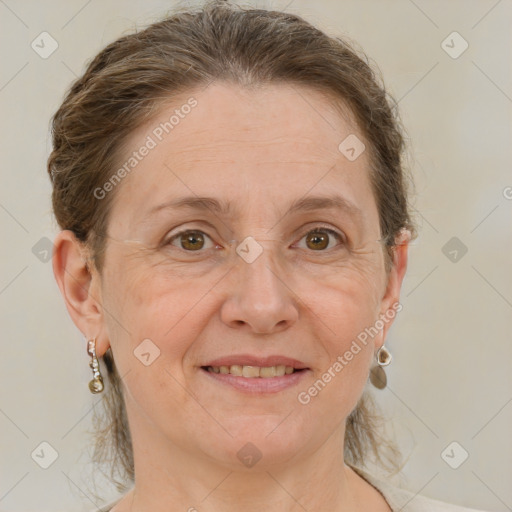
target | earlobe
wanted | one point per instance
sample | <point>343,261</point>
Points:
<point>79,286</point>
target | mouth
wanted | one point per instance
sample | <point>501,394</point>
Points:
<point>252,372</point>
<point>269,376</point>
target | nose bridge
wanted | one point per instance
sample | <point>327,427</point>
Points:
<point>258,267</point>
<point>259,296</point>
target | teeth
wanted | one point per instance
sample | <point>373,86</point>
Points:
<point>236,369</point>
<point>250,371</point>
<point>271,371</point>
<point>253,371</point>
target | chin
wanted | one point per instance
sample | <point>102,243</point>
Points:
<point>258,442</point>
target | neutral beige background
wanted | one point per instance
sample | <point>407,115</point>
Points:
<point>451,377</point>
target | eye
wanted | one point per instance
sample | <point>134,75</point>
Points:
<point>319,238</point>
<point>191,240</point>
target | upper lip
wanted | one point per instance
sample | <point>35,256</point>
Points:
<point>262,362</point>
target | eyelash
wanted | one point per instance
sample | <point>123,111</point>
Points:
<point>321,229</point>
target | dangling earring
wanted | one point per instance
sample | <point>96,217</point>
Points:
<point>377,374</point>
<point>96,384</point>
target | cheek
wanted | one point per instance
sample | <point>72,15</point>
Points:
<point>150,330</point>
<point>344,309</point>
<point>147,304</point>
<point>346,301</point>
<point>346,341</point>
<point>347,352</point>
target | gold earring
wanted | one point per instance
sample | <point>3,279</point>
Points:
<point>378,376</point>
<point>96,384</point>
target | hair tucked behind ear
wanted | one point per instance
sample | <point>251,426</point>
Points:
<point>127,82</point>
<point>113,440</point>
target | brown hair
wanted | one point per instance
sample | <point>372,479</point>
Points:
<point>127,82</point>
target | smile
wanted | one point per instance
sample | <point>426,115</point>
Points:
<point>256,379</point>
<point>253,371</point>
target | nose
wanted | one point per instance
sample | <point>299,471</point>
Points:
<point>259,299</point>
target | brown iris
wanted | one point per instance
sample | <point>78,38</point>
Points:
<point>192,240</point>
<point>317,239</point>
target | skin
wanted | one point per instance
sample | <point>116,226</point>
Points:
<point>261,149</point>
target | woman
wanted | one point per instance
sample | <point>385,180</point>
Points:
<point>235,232</point>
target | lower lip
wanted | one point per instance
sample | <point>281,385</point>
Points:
<point>258,384</point>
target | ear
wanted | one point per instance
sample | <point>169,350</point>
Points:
<point>390,303</point>
<point>80,285</point>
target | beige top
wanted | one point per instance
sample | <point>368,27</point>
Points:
<point>399,500</point>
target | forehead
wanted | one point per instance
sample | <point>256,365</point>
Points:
<point>269,115</point>
<point>227,138</point>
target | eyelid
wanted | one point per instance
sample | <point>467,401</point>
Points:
<point>338,234</point>
<point>169,239</point>
<point>319,227</point>
<point>201,226</point>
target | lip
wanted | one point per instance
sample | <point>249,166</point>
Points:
<point>257,385</point>
<point>262,362</point>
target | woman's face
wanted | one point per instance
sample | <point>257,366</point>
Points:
<point>288,271</point>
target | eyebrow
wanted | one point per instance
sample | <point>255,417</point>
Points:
<point>309,203</point>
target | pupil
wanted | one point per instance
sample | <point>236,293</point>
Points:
<point>192,241</point>
<point>319,240</point>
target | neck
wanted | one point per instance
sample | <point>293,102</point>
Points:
<point>169,477</point>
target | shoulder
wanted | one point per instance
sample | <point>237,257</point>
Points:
<point>407,501</point>
<point>400,500</point>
